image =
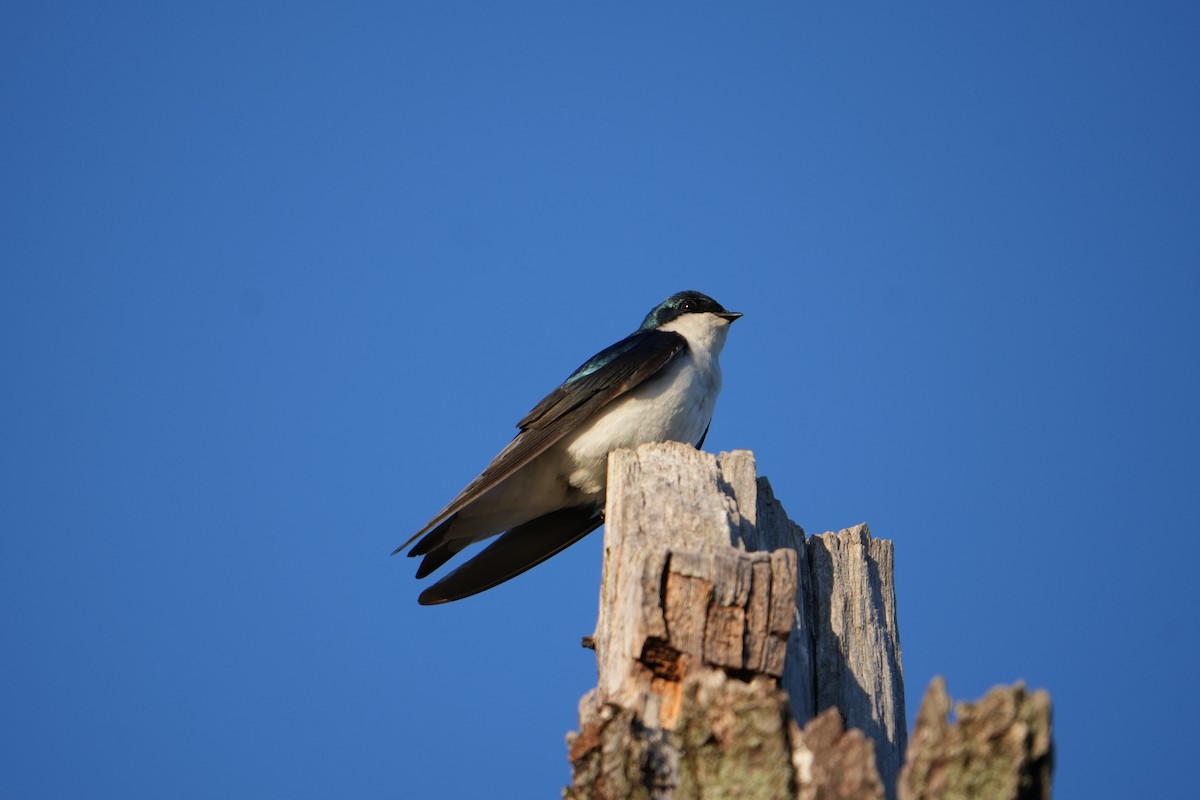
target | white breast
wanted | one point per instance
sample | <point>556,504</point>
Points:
<point>676,405</point>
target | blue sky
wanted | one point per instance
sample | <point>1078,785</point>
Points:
<point>278,279</point>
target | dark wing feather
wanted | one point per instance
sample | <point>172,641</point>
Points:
<point>636,353</point>
<point>523,547</point>
<point>603,378</point>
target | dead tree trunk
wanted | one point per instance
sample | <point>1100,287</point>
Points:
<point>1000,747</point>
<point>721,627</point>
<point>722,631</point>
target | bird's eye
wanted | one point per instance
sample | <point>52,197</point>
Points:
<point>687,305</point>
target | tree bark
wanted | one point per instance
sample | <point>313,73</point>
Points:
<point>721,627</point>
<point>739,658</point>
<point>1000,747</point>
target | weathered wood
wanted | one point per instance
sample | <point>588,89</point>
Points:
<point>1000,748</point>
<point>833,763</point>
<point>675,596</point>
<point>856,641</point>
<point>708,589</point>
<point>722,626</point>
<point>844,648</point>
<point>732,740</point>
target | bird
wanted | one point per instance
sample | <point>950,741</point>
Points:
<point>546,489</point>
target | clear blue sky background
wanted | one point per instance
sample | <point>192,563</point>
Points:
<point>278,279</point>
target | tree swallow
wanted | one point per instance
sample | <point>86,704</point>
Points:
<point>545,491</point>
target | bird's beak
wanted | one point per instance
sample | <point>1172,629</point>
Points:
<point>730,316</point>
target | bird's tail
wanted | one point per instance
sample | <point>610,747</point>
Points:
<point>436,546</point>
<point>522,548</point>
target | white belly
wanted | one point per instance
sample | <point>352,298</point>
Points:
<point>675,406</point>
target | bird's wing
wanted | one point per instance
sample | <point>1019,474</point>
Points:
<point>522,548</point>
<point>600,380</point>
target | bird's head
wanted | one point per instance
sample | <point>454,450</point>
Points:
<point>682,303</point>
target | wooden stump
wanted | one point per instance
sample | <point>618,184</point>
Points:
<point>999,748</point>
<point>721,627</point>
